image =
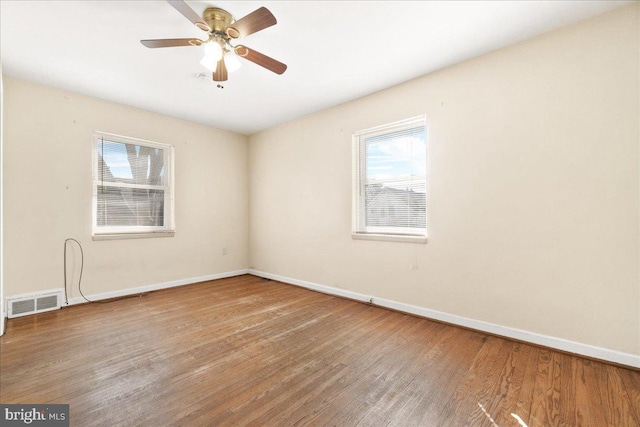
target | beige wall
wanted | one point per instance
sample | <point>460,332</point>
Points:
<point>47,194</point>
<point>533,200</point>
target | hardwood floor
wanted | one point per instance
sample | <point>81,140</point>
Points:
<point>247,351</point>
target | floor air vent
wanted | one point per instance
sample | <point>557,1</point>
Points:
<point>34,303</point>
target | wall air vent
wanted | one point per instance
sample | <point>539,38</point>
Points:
<point>23,305</point>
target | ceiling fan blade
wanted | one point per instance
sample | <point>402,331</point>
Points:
<point>170,42</point>
<point>189,13</point>
<point>257,20</point>
<point>220,74</point>
<point>260,59</point>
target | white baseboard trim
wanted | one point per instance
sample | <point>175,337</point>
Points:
<point>505,331</point>
<point>157,286</point>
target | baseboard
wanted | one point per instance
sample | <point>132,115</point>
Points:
<point>157,286</point>
<point>505,331</point>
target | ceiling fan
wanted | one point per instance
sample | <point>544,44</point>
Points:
<point>222,30</point>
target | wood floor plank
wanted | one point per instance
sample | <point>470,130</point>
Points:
<point>249,351</point>
<point>524,401</point>
<point>544,405</point>
<point>500,394</point>
<point>618,399</point>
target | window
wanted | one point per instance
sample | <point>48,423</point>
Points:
<point>390,182</point>
<point>132,187</point>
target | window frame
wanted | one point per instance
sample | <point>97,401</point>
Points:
<point>129,232</point>
<point>415,235</point>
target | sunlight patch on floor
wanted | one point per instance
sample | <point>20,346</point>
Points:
<point>493,423</point>
<point>519,420</point>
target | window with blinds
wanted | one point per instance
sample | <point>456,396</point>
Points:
<point>390,180</point>
<point>132,186</point>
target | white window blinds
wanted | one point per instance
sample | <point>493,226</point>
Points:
<point>132,186</point>
<point>390,179</point>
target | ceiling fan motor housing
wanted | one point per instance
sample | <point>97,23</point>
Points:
<point>217,19</point>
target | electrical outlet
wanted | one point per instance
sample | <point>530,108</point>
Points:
<point>224,251</point>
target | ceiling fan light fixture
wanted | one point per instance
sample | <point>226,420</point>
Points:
<point>209,63</point>
<point>232,63</point>
<point>213,50</point>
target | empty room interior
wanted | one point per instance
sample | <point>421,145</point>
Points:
<point>346,213</point>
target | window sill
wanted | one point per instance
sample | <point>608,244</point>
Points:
<point>389,237</point>
<point>120,236</point>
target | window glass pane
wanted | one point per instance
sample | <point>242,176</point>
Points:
<point>129,163</point>
<point>387,160</point>
<point>132,186</point>
<point>396,155</point>
<point>395,180</point>
<point>119,206</point>
<point>395,207</point>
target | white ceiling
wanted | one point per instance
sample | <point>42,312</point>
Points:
<point>336,50</point>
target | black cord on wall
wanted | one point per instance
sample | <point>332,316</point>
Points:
<point>66,297</point>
